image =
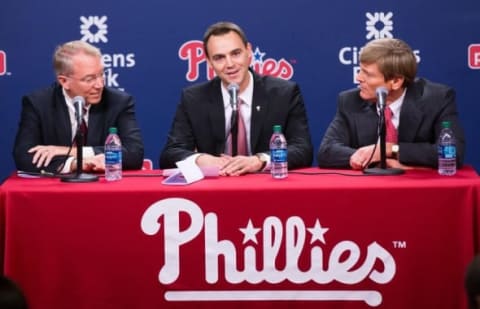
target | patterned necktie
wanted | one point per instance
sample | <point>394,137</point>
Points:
<point>84,127</point>
<point>391,131</point>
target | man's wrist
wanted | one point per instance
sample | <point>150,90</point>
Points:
<point>263,158</point>
<point>395,151</point>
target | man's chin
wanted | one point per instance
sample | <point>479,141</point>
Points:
<point>94,100</point>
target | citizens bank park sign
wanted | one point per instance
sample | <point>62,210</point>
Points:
<point>252,263</point>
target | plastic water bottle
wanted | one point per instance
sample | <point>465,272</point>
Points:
<point>113,156</point>
<point>278,154</point>
<point>447,151</point>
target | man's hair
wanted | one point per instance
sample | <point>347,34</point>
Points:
<point>62,58</point>
<point>222,28</point>
<point>394,59</point>
<point>472,282</point>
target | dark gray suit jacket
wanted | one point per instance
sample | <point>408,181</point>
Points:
<point>425,107</point>
<point>45,121</point>
<point>199,124</point>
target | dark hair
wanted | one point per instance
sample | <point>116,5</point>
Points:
<point>394,59</point>
<point>11,297</point>
<point>472,282</point>
<point>222,28</point>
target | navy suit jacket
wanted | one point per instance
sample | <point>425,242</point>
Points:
<point>426,105</point>
<point>199,124</point>
<point>45,121</point>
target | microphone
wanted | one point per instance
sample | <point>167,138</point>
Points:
<point>233,91</point>
<point>382,94</point>
<point>79,176</point>
<point>79,103</point>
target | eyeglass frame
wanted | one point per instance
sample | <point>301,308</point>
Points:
<point>90,79</point>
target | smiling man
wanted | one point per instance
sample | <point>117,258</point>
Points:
<point>201,127</point>
<point>417,109</point>
<point>48,122</point>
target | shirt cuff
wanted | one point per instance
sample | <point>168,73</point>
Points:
<point>88,152</point>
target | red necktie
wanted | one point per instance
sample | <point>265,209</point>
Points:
<point>242,148</point>
<point>391,136</point>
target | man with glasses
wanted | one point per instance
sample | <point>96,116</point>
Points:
<point>48,121</point>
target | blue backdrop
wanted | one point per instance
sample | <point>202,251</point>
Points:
<point>151,51</point>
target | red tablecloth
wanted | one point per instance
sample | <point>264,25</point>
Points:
<point>308,241</point>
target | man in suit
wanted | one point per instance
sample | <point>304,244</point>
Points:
<point>48,123</point>
<point>200,129</point>
<point>418,109</point>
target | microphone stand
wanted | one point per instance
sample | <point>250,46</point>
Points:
<point>234,128</point>
<point>383,170</point>
<point>79,176</point>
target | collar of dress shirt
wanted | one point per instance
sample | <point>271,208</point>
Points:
<point>246,95</point>
<point>70,106</point>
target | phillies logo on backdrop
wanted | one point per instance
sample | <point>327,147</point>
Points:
<point>193,52</point>
<point>474,56</point>
<point>3,63</point>
<point>346,263</point>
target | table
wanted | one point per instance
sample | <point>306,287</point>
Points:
<point>235,242</point>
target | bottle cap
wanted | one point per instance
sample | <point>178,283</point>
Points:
<point>112,130</point>
<point>446,124</point>
<point>277,128</point>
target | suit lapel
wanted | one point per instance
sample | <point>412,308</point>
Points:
<point>410,116</point>
<point>62,118</point>
<point>260,106</point>
<point>366,123</point>
<point>95,125</point>
<point>216,114</point>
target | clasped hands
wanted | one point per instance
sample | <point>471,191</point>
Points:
<point>231,166</point>
<point>43,155</point>
<point>360,158</point>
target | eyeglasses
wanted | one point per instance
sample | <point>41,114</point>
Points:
<point>90,80</point>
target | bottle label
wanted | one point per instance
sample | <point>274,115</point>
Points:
<point>113,157</point>
<point>278,155</point>
<point>447,152</point>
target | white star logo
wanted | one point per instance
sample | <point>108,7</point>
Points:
<point>317,232</point>
<point>249,232</point>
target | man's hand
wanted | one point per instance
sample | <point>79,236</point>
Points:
<point>241,165</point>
<point>231,166</point>
<point>359,158</point>
<point>43,155</point>
<point>91,164</point>
<point>209,160</point>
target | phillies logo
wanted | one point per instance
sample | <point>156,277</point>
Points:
<point>3,62</point>
<point>474,56</point>
<point>193,52</point>
<point>377,264</point>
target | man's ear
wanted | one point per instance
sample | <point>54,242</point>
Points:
<point>63,80</point>
<point>396,82</point>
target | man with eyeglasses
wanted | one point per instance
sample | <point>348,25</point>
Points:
<point>48,123</point>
